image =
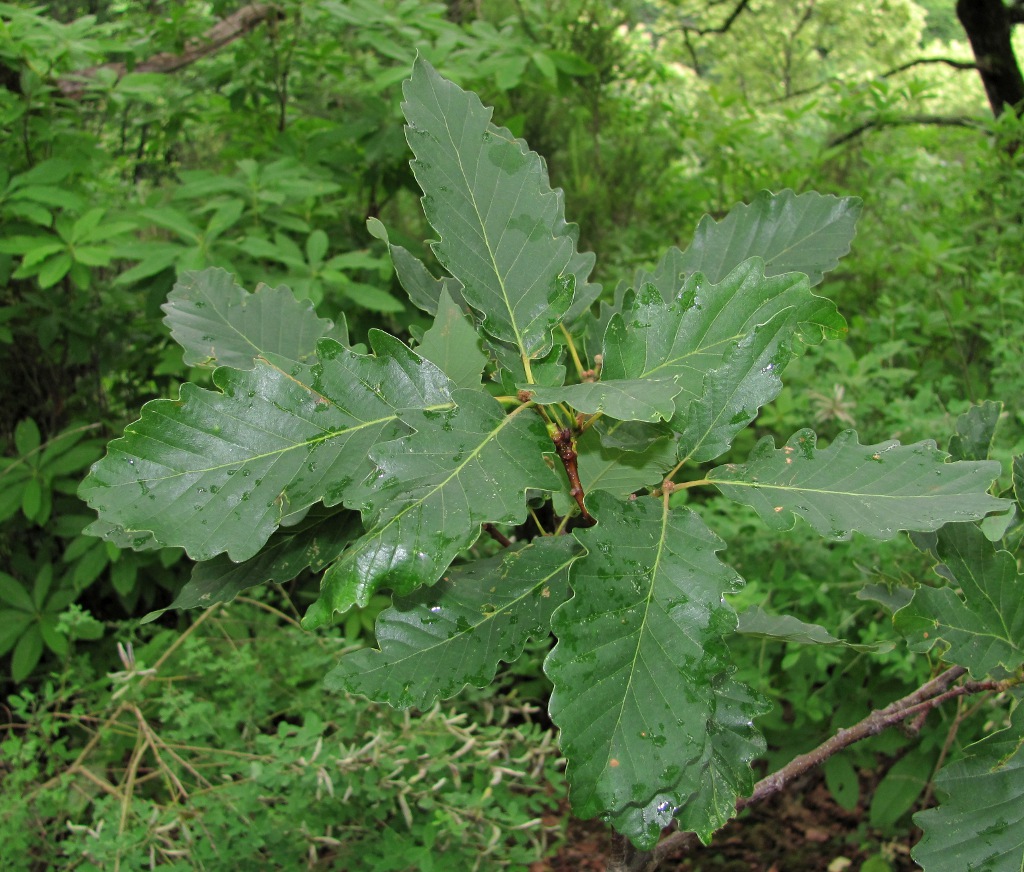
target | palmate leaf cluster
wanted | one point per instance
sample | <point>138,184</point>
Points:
<point>563,433</point>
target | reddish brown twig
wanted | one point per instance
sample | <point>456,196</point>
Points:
<point>565,445</point>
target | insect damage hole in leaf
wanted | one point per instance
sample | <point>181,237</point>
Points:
<point>521,410</point>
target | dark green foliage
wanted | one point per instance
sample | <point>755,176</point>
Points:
<point>641,663</point>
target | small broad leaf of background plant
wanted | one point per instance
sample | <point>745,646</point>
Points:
<point>979,824</point>
<point>461,467</point>
<point>489,199</point>
<point>876,490</point>
<point>219,323</point>
<point>639,646</point>
<point>436,641</point>
<point>983,628</point>
<point>217,471</point>
<point>806,233</point>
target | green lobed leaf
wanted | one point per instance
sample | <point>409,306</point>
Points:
<point>501,228</point>
<point>436,641</point>
<point>461,467</point>
<point>311,545</point>
<point>453,344</point>
<point>726,775</point>
<point>804,233</point>
<point>218,471</point>
<point>979,824</point>
<point>975,430</point>
<point>756,622</point>
<point>639,646</point>
<point>734,745</point>
<point>423,289</point>
<point>984,628</point>
<point>219,323</point>
<point>682,341</point>
<point>876,490</point>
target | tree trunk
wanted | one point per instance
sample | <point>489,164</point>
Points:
<point>989,25</point>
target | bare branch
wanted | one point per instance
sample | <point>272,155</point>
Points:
<point>907,121</point>
<point>949,62</point>
<point>918,703</point>
<point>231,28</point>
<point>725,24</point>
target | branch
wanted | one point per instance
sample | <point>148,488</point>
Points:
<point>918,703</point>
<point>237,24</point>
<point>726,24</point>
<point>906,121</point>
<point>949,62</point>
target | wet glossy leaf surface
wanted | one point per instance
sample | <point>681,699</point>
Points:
<point>460,468</point>
<point>680,342</point>
<point>639,645</point>
<point>436,641</point>
<point>876,490</point>
<point>217,471</point>
<point>979,825</point>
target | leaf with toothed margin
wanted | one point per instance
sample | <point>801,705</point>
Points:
<point>802,233</point>
<point>501,227</point>
<point>460,468</point>
<point>984,627</point>
<point>979,823</point>
<point>734,743</point>
<point>219,323</point>
<point>735,391</point>
<point>876,490</point>
<point>639,646</point>
<point>436,641</point>
<point>218,471</point>
<point>423,289</point>
<point>704,328</point>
